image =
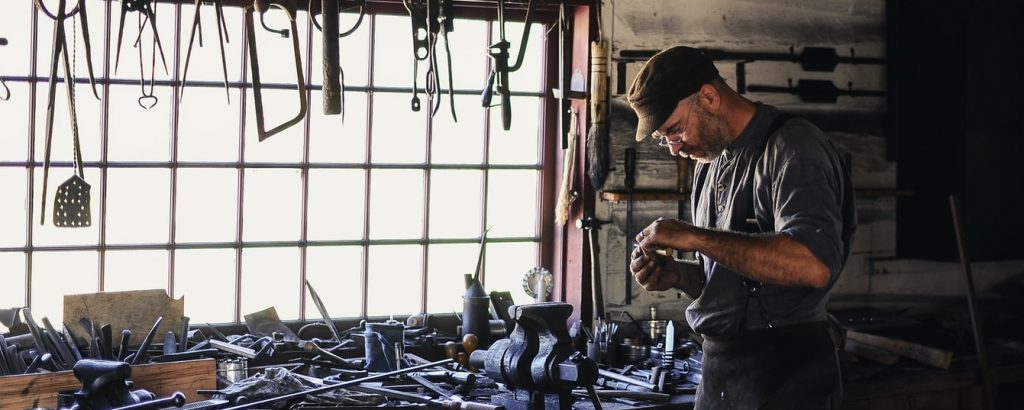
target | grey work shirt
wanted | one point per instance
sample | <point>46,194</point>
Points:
<point>798,185</point>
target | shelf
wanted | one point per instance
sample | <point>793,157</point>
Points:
<point>645,195</point>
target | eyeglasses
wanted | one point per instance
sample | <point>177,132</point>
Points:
<point>663,139</point>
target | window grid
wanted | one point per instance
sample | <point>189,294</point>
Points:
<point>104,164</point>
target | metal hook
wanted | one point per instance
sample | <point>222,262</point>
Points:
<point>359,20</point>
<point>499,53</point>
<point>7,91</point>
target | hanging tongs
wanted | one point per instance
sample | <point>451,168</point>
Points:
<point>73,195</point>
<point>497,81</point>
<point>334,76</point>
<point>81,11</point>
<point>290,9</point>
<point>149,15</point>
<point>222,35</point>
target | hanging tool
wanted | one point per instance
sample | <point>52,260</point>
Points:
<point>497,81</point>
<point>334,76</point>
<point>630,181</point>
<point>7,91</point>
<point>431,19</point>
<point>591,225</point>
<point>222,35</point>
<point>291,11</point>
<point>80,10</point>
<point>148,11</point>
<point>565,192</point>
<point>142,75</point>
<point>72,208</point>
<point>972,305</point>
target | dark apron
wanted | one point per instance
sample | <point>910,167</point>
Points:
<point>788,367</point>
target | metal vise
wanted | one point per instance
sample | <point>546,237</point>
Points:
<point>537,363</point>
<point>105,385</point>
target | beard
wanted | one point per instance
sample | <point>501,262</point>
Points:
<point>716,137</point>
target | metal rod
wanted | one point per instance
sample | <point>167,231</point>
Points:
<point>339,385</point>
<point>972,305</point>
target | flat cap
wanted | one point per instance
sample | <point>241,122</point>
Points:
<point>671,75</point>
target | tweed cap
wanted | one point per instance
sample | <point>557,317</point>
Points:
<point>671,75</point>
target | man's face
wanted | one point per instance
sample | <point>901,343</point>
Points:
<point>693,132</point>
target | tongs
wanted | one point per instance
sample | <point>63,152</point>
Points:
<point>222,35</point>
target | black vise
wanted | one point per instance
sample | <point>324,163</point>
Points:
<point>105,386</point>
<point>537,362</point>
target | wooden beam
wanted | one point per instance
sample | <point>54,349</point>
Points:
<point>924,354</point>
<point>163,379</point>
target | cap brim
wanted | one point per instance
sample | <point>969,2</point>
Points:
<point>647,125</point>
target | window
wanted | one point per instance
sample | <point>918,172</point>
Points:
<point>382,211</point>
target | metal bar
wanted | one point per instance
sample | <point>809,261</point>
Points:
<point>104,143</point>
<point>267,244</point>
<point>33,52</point>
<point>339,385</point>
<point>175,118</point>
<point>266,86</point>
<point>304,217</point>
<point>972,305</point>
<point>273,165</point>
<point>241,178</point>
<point>485,175</point>
<point>364,274</point>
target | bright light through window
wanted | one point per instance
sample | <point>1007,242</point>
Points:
<point>382,210</point>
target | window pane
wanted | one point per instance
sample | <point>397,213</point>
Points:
<point>135,270</point>
<point>512,203</point>
<point>12,269</point>
<point>206,277</point>
<point>13,112</point>
<point>129,60</point>
<point>16,21</point>
<point>334,272</point>
<point>13,206</point>
<point>270,277</point>
<point>273,202</point>
<point>336,204</point>
<point>138,134</point>
<point>396,203</point>
<point>208,126</point>
<point>506,265</point>
<point>207,205</point>
<point>336,139</point>
<point>394,287</point>
<point>87,112</point>
<point>277,54</point>
<point>138,205</point>
<point>279,106</point>
<point>461,142</point>
<point>520,144</point>
<point>468,44</point>
<point>354,50</point>
<point>530,74</point>
<point>446,265</point>
<point>55,274</point>
<point>393,55</point>
<point>455,203</point>
<point>399,134</point>
<point>47,234</point>
<point>205,63</point>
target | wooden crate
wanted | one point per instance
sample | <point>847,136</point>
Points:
<point>163,379</point>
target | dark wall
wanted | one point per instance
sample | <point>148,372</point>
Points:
<point>955,105</point>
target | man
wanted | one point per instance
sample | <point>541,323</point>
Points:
<point>773,216</point>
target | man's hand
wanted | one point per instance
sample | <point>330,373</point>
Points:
<point>654,272</point>
<point>666,233</point>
